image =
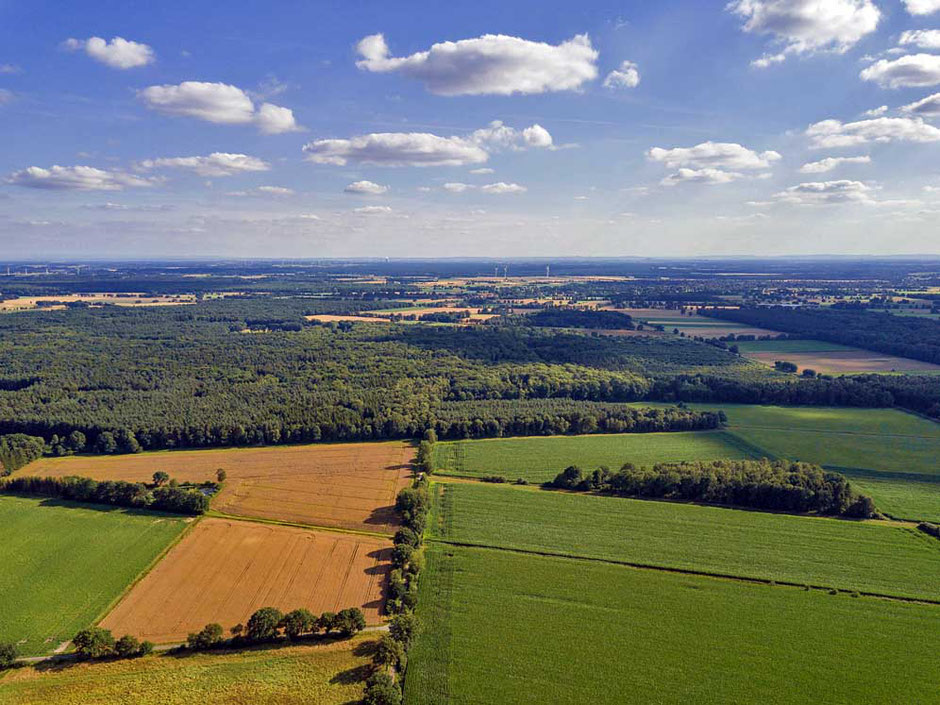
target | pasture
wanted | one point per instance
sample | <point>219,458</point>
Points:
<point>224,570</point>
<point>343,485</point>
<point>695,325</point>
<point>328,674</point>
<point>847,555</point>
<point>64,564</point>
<point>841,362</point>
<point>500,627</point>
<point>538,459</point>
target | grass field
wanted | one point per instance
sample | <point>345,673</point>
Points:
<point>867,557</point>
<point>511,628</point>
<point>541,458</point>
<point>64,564</point>
<point>224,570</point>
<point>791,346</point>
<point>344,485</point>
<point>326,675</point>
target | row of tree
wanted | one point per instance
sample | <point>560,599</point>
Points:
<point>18,450</point>
<point>779,485</point>
<point>168,497</point>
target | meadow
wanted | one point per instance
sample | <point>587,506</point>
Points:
<point>538,459</point>
<point>65,564</point>
<point>328,674</point>
<point>790,346</point>
<point>514,628</point>
<point>847,555</point>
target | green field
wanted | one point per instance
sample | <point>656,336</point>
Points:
<point>867,557</point>
<point>539,459</point>
<point>63,564</point>
<point>279,676</point>
<point>500,627</point>
<point>793,346</point>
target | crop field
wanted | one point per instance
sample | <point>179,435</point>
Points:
<point>345,485</point>
<point>868,557</point>
<point>845,361</point>
<point>790,346</point>
<point>501,627</point>
<point>63,564</point>
<point>224,570</point>
<point>328,674</point>
<point>538,459</point>
<point>701,326</point>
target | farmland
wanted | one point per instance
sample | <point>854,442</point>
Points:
<point>345,485</point>
<point>503,627</point>
<point>64,564</point>
<point>224,570</point>
<point>327,674</point>
<point>847,555</point>
<point>829,358</point>
<point>541,458</point>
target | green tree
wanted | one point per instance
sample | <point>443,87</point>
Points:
<point>127,646</point>
<point>389,653</point>
<point>220,475</point>
<point>160,478</point>
<point>77,441</point>
<point>8,655</point>
<point>381,689</point>
<point>146,648</point>
<point>105,443</point>
<point>298,622</point>
<point>94,642</point>
<point>263,624</point>
<point>208,637</point>
<point>327,622</point>
<point>402,627</point>
<point>350,621</point>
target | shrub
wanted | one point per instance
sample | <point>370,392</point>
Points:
<point>126,646</point>
<point>407,536</point>
<point>146,648</point>
<point>381,689</point>
<point>8,655</point>
<point>209,636</point>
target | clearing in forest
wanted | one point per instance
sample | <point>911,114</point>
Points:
<point>224,570</point>
<point>63,564</point>
<point>344,485</point>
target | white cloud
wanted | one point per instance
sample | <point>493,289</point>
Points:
<point>109,206</point>
<point>456,187</point>
<point>832,133</point>
<point>218,103</point>
<point>908,71</point>
<point>425,149</point>
<point>119,53</point>
<point>215,164</point>
<point>627,76</point>
<point>264,191</point>
<point>925,106</point>
<point>922,7</point>
<point>923,38</point>
<point>501,187</point>
<point>493,64</point>
<point>76,178</point>
<point>821,193</point>
<point>366,188</point>
<point>483,170</point>
<point>876,112</point>
<point>806,26</point>
<point>707,175</point>
<point>713,155</point>
<point>830,163</point>
<point>373,210</point>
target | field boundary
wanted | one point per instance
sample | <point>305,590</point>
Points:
<point>686,571</point>
<point>215,514</point>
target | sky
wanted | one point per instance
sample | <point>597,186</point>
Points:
<point>488,129</point>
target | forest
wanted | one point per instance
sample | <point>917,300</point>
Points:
<point>906,336</point>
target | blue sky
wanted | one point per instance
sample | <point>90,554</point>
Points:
<point>268,129</point>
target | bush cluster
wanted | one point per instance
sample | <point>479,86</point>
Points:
<point>760,484</point>
<point>98,643</point>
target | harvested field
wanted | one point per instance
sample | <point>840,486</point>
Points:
<point>330,318</point>
<point>841,362</point>
<point>54,303</point>
<point>345,485</point>
<point>224,570</point>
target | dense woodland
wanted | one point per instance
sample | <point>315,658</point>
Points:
<point>907,336</point>
<point>18,450</point>
<point>779,485</point>
<point>581,318</point>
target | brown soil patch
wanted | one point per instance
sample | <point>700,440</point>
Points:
<point>224,570</point>
<point>345,485</point>
<point>845,361</point>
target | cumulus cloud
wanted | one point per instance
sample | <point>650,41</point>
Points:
<point>832,133</point>
<point>493,64</point>
<point>373,210</point>
<point>822,193</point>
<point>366,188</point>
<point>123,207</point>
<point>483,170</point>
<point>707,175</point>
<point>215,164</point>
<point>875,112</point>
<point>76,178</point>
<point>425,149</point>
<point>264,191</point>
<point>627,76</point>
<point>923,38</point>
<point>119,53</point>
<point>908,71</point>
<point>830,163</point>
<point>922,7</point>
<point>456,187</point>
<point>499,188</point>
<point>218,103</point>
<point>806,26</point>
<point>929,106</point>
<point>718,155</point>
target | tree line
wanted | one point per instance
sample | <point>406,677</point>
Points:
<point>18,450</point>
<point>168,497</point>
<point>778,485</point>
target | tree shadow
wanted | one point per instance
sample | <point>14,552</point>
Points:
<point>351,676</point>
